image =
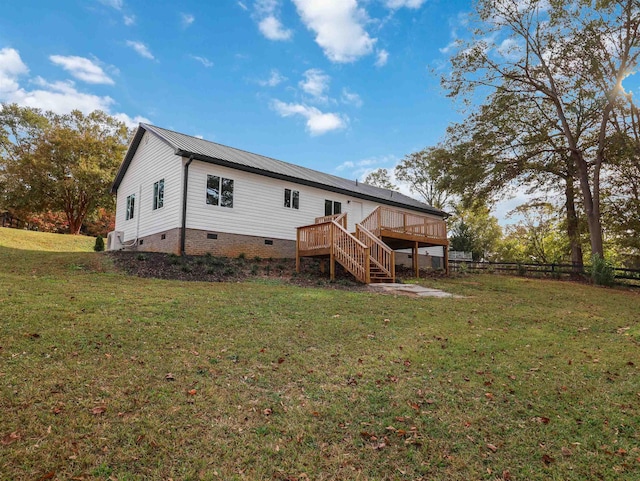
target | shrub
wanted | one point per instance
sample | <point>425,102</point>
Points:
<point>602,271</point>
<point>254,270</point>
<point>141,257</point>
<point>99,245</point>
<point>186,268</point>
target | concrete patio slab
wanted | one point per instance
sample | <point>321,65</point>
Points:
<point>409,290</point>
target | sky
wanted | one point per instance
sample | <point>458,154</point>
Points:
<point>340,86</point>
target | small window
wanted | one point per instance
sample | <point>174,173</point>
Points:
<point>163,236</point>
<point>141,242</point>
<point>219,191</point>
<point>268,242</point>
<point>212,236</point>
<point>332,208</point>
<point>158,194</point>
<point>291,199</point>
<point>131,206</point>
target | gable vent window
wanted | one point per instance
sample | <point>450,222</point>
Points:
<point>291,199</point>
<point>268,242</point>
<point>158,194</point>
<point>131,206</point>
<point>219,191</point>
<point>332,208</point>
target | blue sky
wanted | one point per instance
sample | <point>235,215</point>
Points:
<point>342,86</point>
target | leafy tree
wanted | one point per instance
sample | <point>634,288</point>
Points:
<point>565,59</point>
<point>421,170</point>
<point>60,163</point>
<point>380,178</point>
<point>475,230</point>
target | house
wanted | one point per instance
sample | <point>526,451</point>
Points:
<point>185,195</point>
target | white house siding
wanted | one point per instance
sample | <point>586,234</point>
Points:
<point>154,160</point>
<point>258,204</point>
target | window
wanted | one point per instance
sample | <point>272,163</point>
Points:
<point>332,208</point>
<point>131,206</point>
<point>291,199</point>
<point>158,194</point>
<point>219,191</point>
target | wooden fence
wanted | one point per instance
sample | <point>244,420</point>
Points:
<point>627,277</point>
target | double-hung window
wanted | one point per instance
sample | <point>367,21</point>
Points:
<point>332,207</point>
<point>219,191</point>
<point>291,199</point>
<point>158,194</point>
<point>131,206</point>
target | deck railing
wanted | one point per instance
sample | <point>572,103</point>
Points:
<point>384,218</point>
<point>332,238</point>
<point>381,254</point>
<point>339,218</point>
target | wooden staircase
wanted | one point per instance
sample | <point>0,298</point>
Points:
<point>364,253</point>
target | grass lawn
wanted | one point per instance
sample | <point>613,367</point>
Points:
<point>106,376</point>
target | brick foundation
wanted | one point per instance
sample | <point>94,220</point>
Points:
<point>200,242</point>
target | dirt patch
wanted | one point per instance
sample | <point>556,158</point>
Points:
<point>223,269</point>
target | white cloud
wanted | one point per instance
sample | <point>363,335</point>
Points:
<point>339,28</point>
<point>318,122</point>
<point>315,83</point>
<point>266,14</point>
<point>131,123</point>
<point>141,49</point>
<point>11,67</point>
<point>243,6</point>
<point>382,58</point>
<point>450,46</point>
<point>60,97</point>
<point>395,4</point>
<point>510,49</point>
<point>82,69</point>
<point>203,60</point>
<point>186,19</point>
<point>351,98</point>
<point>117,4</point>
<point>129,20</point>
<point>275,79</point>
<point>273,29</point>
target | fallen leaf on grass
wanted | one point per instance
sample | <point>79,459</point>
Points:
<point>566,451</point>
<point>506,475</point>
<point>49,475</point>
<point>10,438</point>
<point>98,410</point>
<point>547,460</point>
<point>192,392</point>
<point>267,412</point>
<point>492,447</point>
<point>541,419</point>
<point>169,377</point>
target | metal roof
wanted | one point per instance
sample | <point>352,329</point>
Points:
<point>204,150</point>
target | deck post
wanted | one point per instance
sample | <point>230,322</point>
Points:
<point>367,265</point>
<point>416,266</point>
<point>298,251</point>
<point>446,259</point>
<point>332,260</point>
<point>393,266</point>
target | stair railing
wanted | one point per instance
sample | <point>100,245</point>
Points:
<point>352,254</point>
<point>381,254</point>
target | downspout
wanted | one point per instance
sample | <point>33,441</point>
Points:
<point>183,231</point>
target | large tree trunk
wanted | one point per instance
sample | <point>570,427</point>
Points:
<point>591,208</point>
<point>573,229</point>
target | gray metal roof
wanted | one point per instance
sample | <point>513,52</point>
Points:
<point>186,146</point>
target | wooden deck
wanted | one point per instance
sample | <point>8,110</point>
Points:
<point>369,252</point>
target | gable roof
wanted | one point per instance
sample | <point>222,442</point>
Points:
<point>204,150</point>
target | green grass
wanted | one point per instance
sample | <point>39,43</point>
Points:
<point>43,241</point>
<point>522,379</point>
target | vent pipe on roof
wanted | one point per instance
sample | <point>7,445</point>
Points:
<point>185,183</point>
<point>356,182</point>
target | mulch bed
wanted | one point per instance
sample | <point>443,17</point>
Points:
<point>223,269</point>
